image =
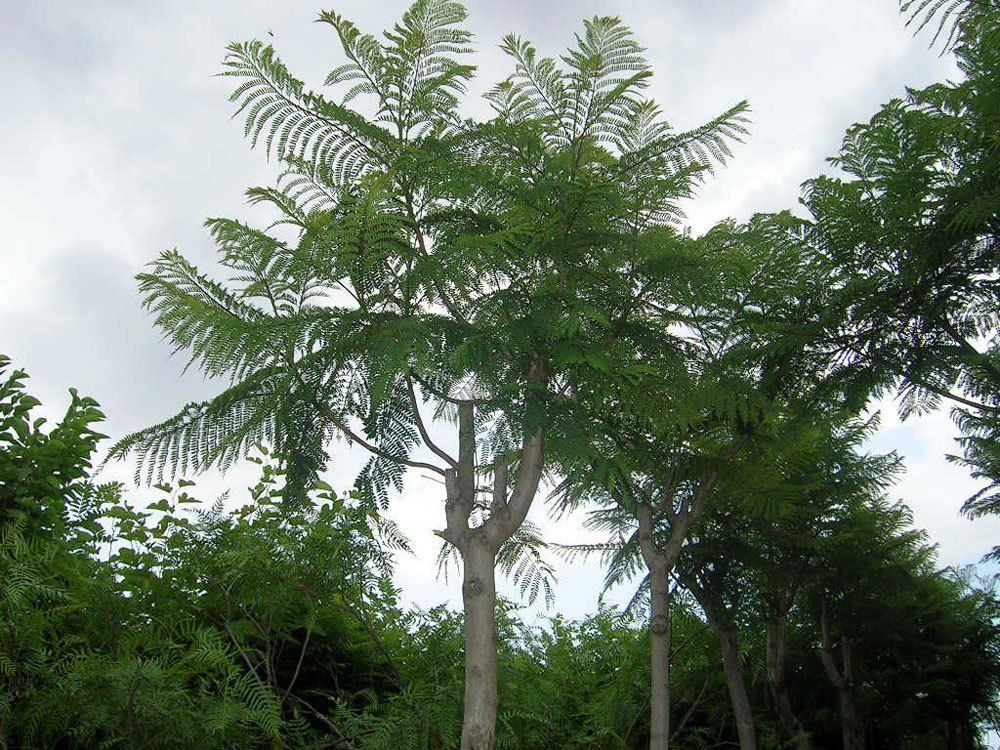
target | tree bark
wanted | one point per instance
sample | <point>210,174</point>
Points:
<point>721,621</point>
<point>726,633</point>
<point>478,547</point>
<point>843,683</point>
<point>777,647</point>
<point>853,737</point>
<point>659,645</point>
<point>479,600</point>
<point>660,561</point>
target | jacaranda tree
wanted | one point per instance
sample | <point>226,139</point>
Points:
<point>910,233</point>
<point>431,269</point>
<point>741,305</point>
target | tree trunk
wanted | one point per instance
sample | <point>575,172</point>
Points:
<point>659,645</point>
<point>726,633</point>
<point>843,683</point>
<point>660,561</point>
<point>479,599</point>
<point>850,726</point>
<point>777,645</point>
<point>721,621</point>
<point>478,547</point>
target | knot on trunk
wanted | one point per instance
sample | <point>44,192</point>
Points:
<point>473,587</point>
<point>659,625</point>
<point>480,738</point>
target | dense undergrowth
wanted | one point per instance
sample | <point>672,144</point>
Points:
<point>187,625</point>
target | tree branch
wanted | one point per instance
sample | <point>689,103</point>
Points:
<point>691,709</point>
<point>969,350</point>
<point>647,544</point>
<point>466,467</point>
<point>825,652</point>
<point>322,717</point>
<point>666,501</point>
<point>945,393</point>
<point>529,471</point>
<point>528,476</point>
<point>342,426</point>
<point>420,426</point>
<point>298,666</point>
<point>500,485</point>
<point>422,245</point>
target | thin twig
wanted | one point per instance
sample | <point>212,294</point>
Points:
<point>298,666</point>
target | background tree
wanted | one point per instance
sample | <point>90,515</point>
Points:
<point>40,471</point>
<point>82,659</point>
<point>756,550</point>
<point>911,237</point>
<point>734,318</point>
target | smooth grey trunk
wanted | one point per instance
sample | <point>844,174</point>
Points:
<point>478,547</point>
<point>737,686</point>
<point>660,561</point>
<point>720,619</point>
<point>843,682</point>
<point>777,649</point>
<point>479,600</point>
<point>659,646</point>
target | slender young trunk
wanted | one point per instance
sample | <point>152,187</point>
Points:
<point>777,648</point>
<point>726,635</point>
<point>660,561</point>
<point>843,683</point>
<point>479,599</point>
<point>478,547</point>
<point>721,621</point>
<point>659,645</point>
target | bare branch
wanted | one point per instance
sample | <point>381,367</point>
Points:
<point>528,476</point>
<point>466,466</point>
<point>945,393</point>
<point>298,666</point>
<point>353,436</point>
<point>423,431</point>
<point>647,544</point>
<point>500,485</point>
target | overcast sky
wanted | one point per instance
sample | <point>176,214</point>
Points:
<point>116,142</point>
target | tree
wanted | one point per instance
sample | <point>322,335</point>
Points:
<point>736,317</point>
<point>910,235</point>
<point>81,662</point>
<point>874,590</point>
<point>748,561</point>
<point>438,264</point>
<point>40,470</point>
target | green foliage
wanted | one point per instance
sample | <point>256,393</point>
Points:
<point>849,573</point>
<point>149,628</point>
<point>949,14</point>
<point>521,558</point>
<point>493,266</point>
<point>432,255</point>
<point>527,272</point>
<point>276,626</point>
<point>910,237</point>
<point>41,471</point>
